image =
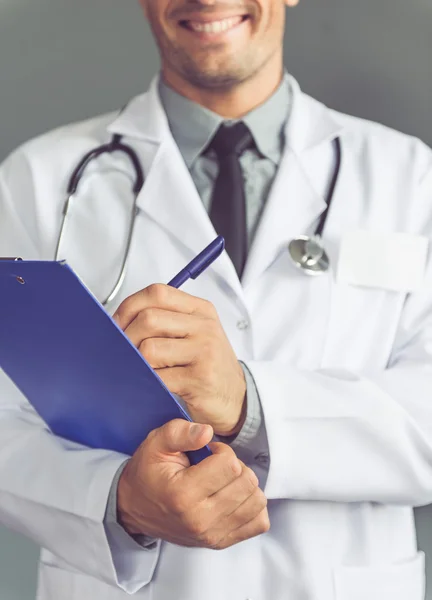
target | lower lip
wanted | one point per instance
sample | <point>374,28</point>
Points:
<point>217,35</point>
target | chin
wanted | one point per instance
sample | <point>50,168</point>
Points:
<point>214,78</point>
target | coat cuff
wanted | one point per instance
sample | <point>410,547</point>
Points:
<point>111,518</point>
<point>131,555</point>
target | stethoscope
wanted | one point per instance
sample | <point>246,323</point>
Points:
<point>306,252</point>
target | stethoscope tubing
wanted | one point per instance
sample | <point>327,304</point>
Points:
<point>115,145</point>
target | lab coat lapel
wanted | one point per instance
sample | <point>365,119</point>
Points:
<point>169,196</point>
<point>291,207</point>
<point>294,203</point>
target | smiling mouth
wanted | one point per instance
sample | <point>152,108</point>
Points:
<point>214,27</point>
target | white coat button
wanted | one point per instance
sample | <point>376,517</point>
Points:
<point>262,459</point>
<point>243,325</point>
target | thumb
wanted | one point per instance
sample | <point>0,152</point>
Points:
<point>182,436</point>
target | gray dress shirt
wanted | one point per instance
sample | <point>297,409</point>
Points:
<point>193,128</point>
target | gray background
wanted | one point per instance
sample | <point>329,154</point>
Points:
<point>61,61</point>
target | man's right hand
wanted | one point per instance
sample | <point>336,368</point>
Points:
<point>214,504</point>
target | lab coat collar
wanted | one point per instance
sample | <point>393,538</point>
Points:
<point>309,124</point>
<point>143,117</point>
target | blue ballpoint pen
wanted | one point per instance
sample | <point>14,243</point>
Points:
<point>199,263</point>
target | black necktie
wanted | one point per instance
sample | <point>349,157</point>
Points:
<point>228,209</point>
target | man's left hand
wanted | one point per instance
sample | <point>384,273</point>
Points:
<point>182,339</point>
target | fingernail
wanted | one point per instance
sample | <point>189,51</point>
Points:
<point>196,431</point>
<point>116,318</point>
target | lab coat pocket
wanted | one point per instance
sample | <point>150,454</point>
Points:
<point>56,583</point>
<point>361,328</point>
<point>392,261</point>
<point>401,581</point>
<point>374,275</point>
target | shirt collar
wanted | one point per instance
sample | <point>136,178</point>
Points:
<point>193,125</point>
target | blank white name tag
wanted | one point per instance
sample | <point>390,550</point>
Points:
<point>392,261</point>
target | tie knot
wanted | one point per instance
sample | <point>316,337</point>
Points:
<point>231,140</point>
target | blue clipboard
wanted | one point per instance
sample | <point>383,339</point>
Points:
<point>74,364</point>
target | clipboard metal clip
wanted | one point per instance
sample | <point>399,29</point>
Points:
<point>13,258</point>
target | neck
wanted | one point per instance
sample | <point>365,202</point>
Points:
<point>233,102</point>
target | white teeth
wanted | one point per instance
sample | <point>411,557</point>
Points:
<point>215,26</point>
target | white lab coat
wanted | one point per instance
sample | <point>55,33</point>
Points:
<point>344,372</point>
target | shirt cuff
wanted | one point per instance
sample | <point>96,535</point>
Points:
<point>254,415</point>
<point>115,532</point>
<point>251,444</point>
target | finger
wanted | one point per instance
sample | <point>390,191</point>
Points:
<point>161,323</point>
<point>247,521</point>
<point>257,526</point>
<point>165,353</point>
<point>165,297</point>
<point>252,505</point>
<point>212,474</point>
<point>236,502</point>
<point>236,492</point>
<point>179,436</point>
<point>177,379</point>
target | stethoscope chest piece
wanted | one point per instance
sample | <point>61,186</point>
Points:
<point>308,254</point>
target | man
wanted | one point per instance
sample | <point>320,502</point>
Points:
<point>315,391</point>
